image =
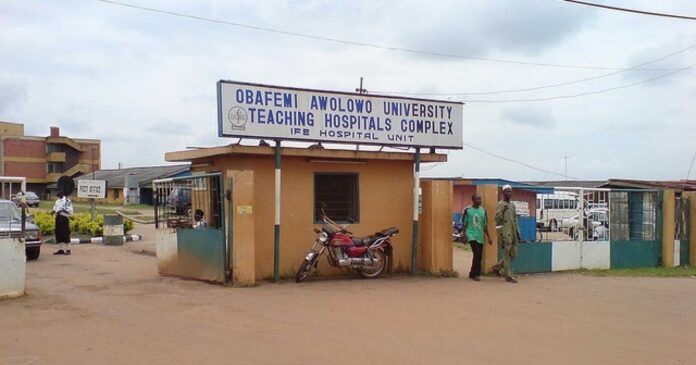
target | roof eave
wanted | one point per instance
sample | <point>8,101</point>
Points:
<point>202,153</point>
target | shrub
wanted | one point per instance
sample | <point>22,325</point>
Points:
<point>80,224</point>
<point>127,225</point>
<point>45,221</point>
<point>83,225</point>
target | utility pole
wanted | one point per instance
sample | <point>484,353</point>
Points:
<point>566,166</point>
<point>360,90</point>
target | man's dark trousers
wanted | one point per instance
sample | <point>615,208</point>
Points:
<point>477,248</point>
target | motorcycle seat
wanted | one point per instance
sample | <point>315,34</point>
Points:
<point>362,241</point>
<point>388,232</point>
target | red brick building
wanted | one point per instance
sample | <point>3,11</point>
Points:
<point>42,160</point>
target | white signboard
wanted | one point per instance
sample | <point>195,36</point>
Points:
<point>264,111</point>
<point>521,208</point>
<point>91,189</point>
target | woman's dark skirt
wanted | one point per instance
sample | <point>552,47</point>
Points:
<point>62,229</point>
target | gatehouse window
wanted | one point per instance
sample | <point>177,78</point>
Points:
<point>53,167</point>
<point>338,195</point>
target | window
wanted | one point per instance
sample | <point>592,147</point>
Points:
<point>337,194</point>
<point>116,193</point>
<point>548,203</point>
<point>53,167</point>
<point>53,147</point>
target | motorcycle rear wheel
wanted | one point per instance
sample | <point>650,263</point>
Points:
<point>378,269</point>
<point>305,269</point>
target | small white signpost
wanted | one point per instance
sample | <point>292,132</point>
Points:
<point>521,208</point>
<point>91,189</point>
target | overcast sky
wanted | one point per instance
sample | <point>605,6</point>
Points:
<point>144,83</point>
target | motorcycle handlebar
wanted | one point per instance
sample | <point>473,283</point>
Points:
<point>331,222</point>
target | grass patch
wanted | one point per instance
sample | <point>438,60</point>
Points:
<point>443,273</point>
<point>461,246</point>
<point>665,272</point>
<point>145,218</point>
<point>128,212</point>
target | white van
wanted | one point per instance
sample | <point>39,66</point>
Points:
<point>552,209</point>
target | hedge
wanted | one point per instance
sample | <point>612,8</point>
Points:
<point>80,224</point>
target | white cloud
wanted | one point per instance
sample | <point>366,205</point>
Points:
<point>145,83</point>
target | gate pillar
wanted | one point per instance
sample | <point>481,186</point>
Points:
<point>242,236</point>
<point>436,222</point>
<point>668,228</point>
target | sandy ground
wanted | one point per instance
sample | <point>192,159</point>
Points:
<point>108,305</point>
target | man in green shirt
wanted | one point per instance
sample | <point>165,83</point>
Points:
<point>475,225</point>
<point>508,234</point>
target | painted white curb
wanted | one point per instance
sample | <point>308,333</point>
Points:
<point>126,238</point>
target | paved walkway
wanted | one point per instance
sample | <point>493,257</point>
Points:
<point>108,305</point>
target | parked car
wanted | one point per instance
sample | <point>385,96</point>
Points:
<point>597,219</point>
<point>31,198</point>
<point>11,226</point>
<point>180,200</point>
<point>457,234</point>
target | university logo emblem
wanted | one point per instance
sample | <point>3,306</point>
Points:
<point>238,118</point>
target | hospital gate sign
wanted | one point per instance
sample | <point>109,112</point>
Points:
<point>282,113</point>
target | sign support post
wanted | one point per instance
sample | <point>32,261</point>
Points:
<point>416,203</point>
<point>276,233</point>
<point>93,202</point>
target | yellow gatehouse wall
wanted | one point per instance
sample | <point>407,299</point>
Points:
<point>385,188</point>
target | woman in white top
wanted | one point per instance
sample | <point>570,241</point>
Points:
<point>63,209</point>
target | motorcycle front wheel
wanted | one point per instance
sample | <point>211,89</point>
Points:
<point>306,268</point>
<point>369,272</point>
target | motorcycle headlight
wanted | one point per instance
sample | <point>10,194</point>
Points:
<point>32,235</point>
<point>323,237</point>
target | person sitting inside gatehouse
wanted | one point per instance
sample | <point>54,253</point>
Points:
<point>199,217</point>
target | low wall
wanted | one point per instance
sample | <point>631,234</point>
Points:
<point>191,253</point>
<point>590,255</point>
<point>13,271</point>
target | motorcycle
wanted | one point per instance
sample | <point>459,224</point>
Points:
<point>369,255</point>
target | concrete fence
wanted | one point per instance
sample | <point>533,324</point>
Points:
<point>589,255</point>
<point>662,248</point>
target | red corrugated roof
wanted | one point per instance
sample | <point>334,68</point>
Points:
<point>682,185</point>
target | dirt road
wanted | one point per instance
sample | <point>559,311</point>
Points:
<point>107,305</point>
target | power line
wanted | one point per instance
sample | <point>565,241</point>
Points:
<point>686,17</point>
<point>688,173</point>
<point>518,162</point>
<point>690,167</point>
<point>585,93</point>
<point>356,43</point>
<point>632,68</point>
